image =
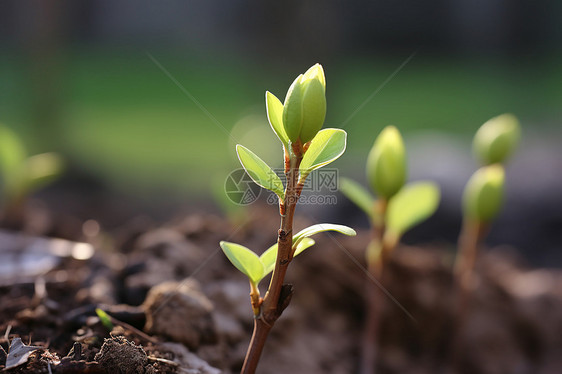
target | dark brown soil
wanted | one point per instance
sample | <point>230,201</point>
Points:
<point>177,305</point>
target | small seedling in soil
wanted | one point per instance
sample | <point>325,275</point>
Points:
<point>297,123</point>
<point>397,208</point>
<point>22,174</point>
<point>105,319</point>
<point>493,144</point>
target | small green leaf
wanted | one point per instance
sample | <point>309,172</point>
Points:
<point>259,171</point>
<point>497,139</point>
<point>483,193</point>
<point>327,146</point>
<point>105,319</point>
<point>303,244</point>
<point>41,169</point>
<point>275,115</point>
<point>244,260</point>
<point>12,157</point>
<point>321,227</point>
<point>302,241</point>
<point>314,108</point>
<point>386,163</point>
<point>269,257</point>
<point>358,195</point>
<point>292,110</point>
<point>413,204</point>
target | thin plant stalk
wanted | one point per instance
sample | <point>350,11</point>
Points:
<point>374,295</point>
<point>278,295</point>
<point>472,233</point>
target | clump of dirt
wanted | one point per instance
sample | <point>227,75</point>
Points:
<point>120,356</point>
<point>181,312</point>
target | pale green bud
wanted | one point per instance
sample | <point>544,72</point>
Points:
<point>292,110</point>
<point>496,139</point>
<point>386,164</point>
<point>483,193</point>
<point>304,109</point>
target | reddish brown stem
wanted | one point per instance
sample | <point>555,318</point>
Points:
<point>278,295</point>
<point>259,336</point>
<point>471,235</point>
<point>374,296</point>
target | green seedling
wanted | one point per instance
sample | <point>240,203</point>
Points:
<point>397,208</point>
<point>105,319</point>
<point>22,174</point>
<point>494,142</point>
<point>297,123</point>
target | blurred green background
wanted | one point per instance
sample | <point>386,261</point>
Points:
<point>100,81</point>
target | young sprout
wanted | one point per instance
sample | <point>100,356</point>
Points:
<point>105,319</point>
<point>297,123</point>
<point>21,175</point>
<point>496,140</point>
<point>493,143</point>
<point>397,208</point>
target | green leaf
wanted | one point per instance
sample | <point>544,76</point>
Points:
<point>244,260</point>
<point>12,157</point>
<point>483,193</point>
<point>292,110</point>
<point>275,116</point>
<point>358,195</point>
<point>413,204</point>
<point>302,241</point>
<point>259,171</point>
<point>42,169</point>
<point>105,319</point>
<point>321,227</point>
<point>327,146</point>
<point>269,257</point>
<point>386,163</point>
<point>496,140</point>
<point>303,244</point>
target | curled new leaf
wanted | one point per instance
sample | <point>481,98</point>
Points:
<point>411,205</point>
<point>327,146</point>
<point>244,260</point>
<point>292,110</point>
<point>259,171</point>
<point>304,109</point>
<point>497,139</point>
<point>483,193</point>
<point>358,195</point>
<point>386,164</point>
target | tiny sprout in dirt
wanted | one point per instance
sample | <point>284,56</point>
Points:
<point>397,208</point>
<point>306,147</point>
<point>494,142</point>
<point>22,174</point>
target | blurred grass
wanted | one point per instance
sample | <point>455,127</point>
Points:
<point>122,118</point>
